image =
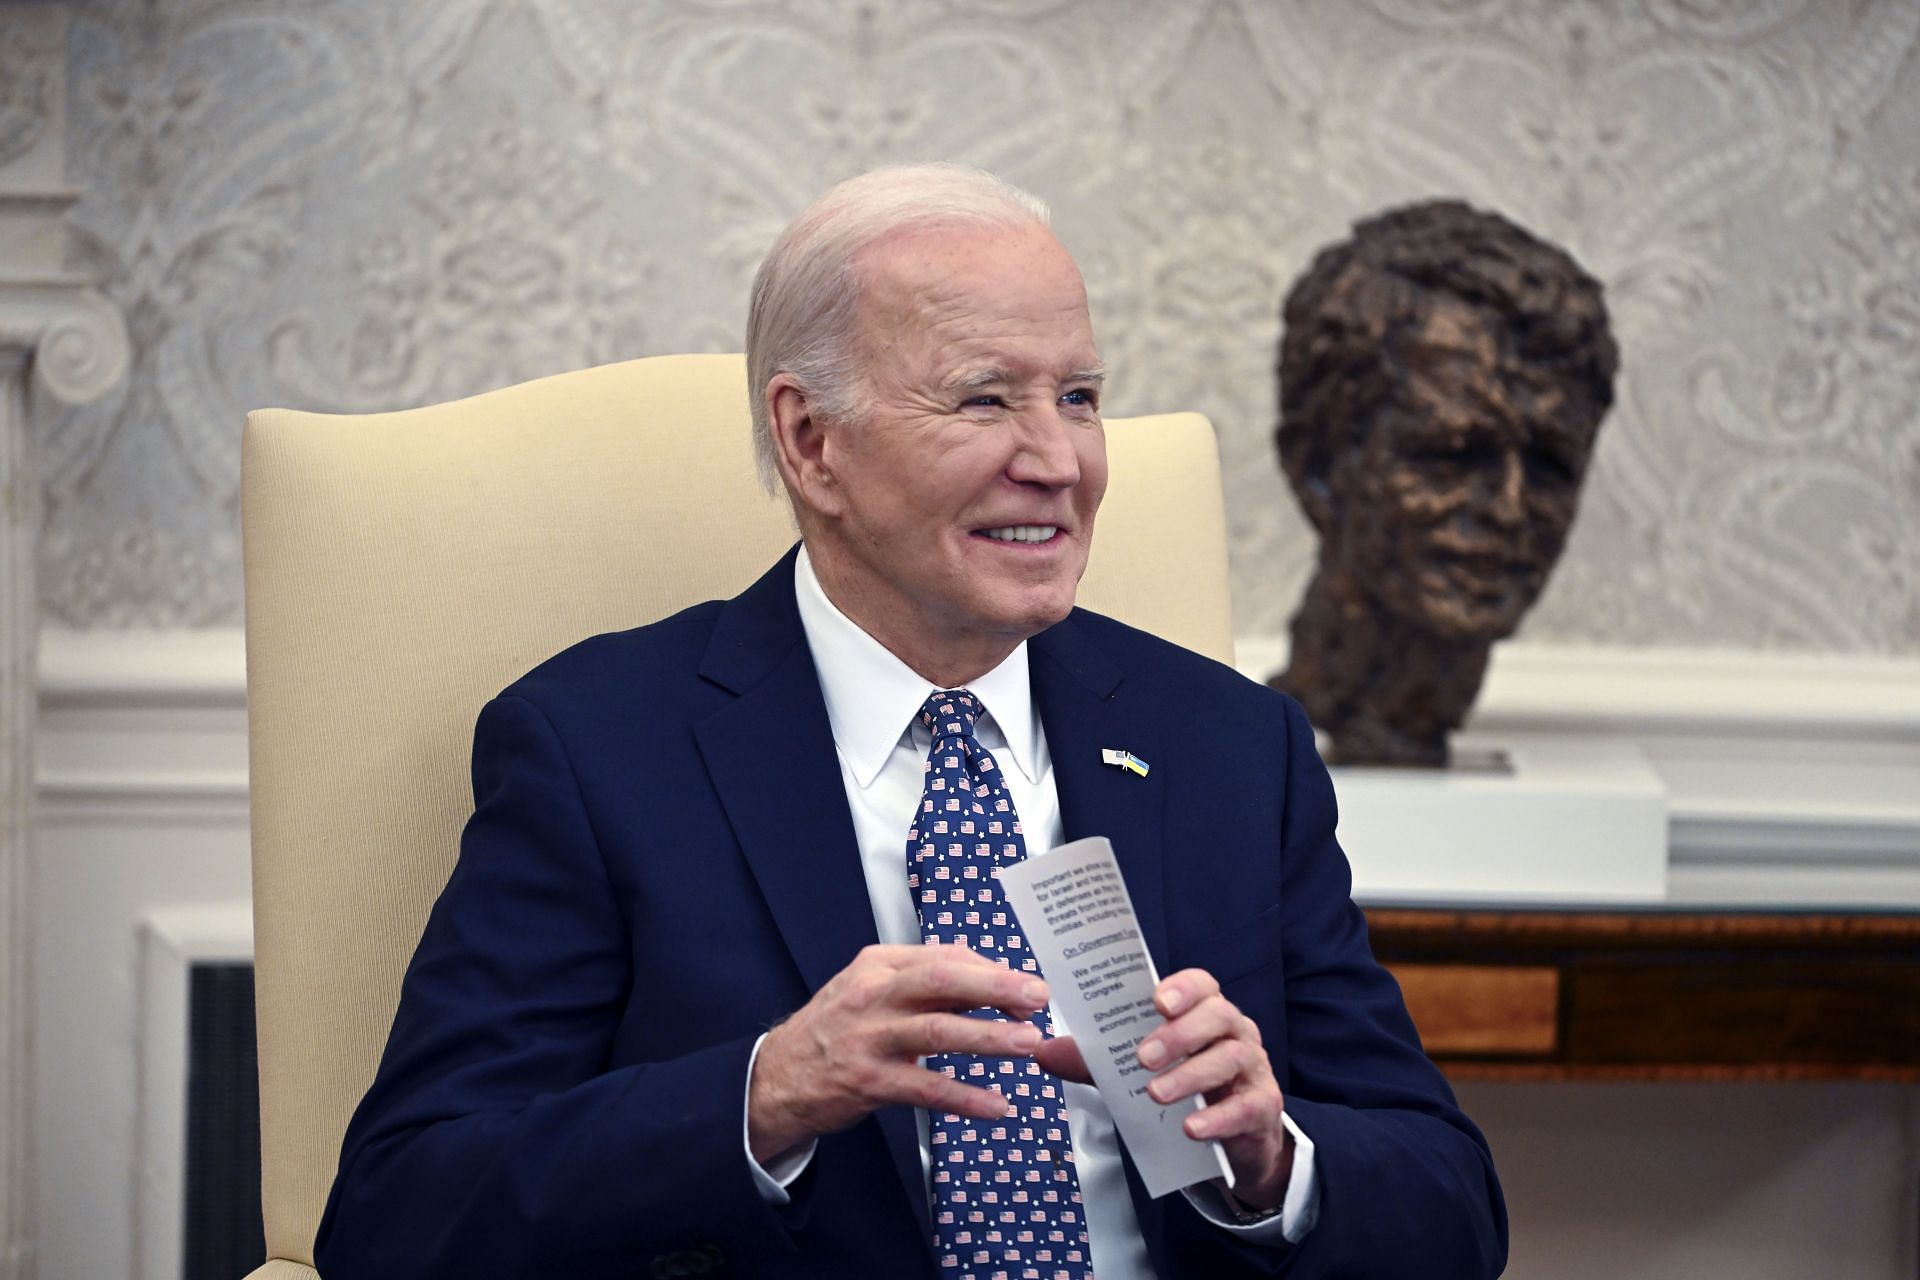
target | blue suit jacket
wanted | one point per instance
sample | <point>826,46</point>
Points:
<point>661,864</point>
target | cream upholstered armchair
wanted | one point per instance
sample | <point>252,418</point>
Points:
<point>402,568</point>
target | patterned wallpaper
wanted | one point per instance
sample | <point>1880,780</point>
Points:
<point>365,204</point>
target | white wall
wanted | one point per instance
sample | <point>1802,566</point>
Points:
<point>1703,1181</point>
<point>143,808</point>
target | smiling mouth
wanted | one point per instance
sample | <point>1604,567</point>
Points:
<point>1489,565</point>
<point>1486,580</point>
<point>1026,533</point>
<point>1490,559</point>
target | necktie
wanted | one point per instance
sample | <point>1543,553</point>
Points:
<point>1006,1201</point>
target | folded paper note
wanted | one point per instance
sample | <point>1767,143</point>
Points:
<point>1073,907</point>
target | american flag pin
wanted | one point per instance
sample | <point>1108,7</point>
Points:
<point>1123,760</point>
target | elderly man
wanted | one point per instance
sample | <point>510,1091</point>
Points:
<point>682,1008</point>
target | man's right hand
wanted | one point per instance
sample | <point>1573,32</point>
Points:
<point>854,1047</point>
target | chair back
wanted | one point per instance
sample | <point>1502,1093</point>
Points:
<point>402,568</point>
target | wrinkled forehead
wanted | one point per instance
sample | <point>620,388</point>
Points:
<point>975,303</point>
<point>930,273</point>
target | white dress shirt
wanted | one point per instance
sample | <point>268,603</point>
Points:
<point>873,703</point>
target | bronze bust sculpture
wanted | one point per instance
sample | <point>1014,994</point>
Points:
<point>1442,377</point>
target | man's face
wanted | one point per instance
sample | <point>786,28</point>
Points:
<point>963,501</point>
<point>1458,503</point>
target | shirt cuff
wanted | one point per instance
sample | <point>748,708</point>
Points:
<point>1299,1209</point>
<point>774,1177</point>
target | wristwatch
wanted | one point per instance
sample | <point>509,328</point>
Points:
<point>1243,1214</point>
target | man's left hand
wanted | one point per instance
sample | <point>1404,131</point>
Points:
<point>1208,1047</point>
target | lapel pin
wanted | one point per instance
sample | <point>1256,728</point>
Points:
<point>1124,760</point>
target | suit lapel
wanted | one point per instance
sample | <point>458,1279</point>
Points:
<point>771,756</point>
<point>1084,710</point>
<point>770,753</point>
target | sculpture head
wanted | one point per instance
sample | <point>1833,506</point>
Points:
<point>1443,375</point>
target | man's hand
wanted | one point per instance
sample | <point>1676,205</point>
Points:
<point>852,1048</point>
<point>1214,1050</point>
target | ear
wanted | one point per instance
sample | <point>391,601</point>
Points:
<point>1306,465</point>
<point>1316,500</point>
<point>800,447</point>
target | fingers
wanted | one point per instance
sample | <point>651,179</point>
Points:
<point>953,978</point>
<point>1182,991</point>
<point>966,1100</point>
<point>854,1046</point>
<point>1062,1057</point>
<point>1208,1047</point>
<point>936,1091</point>
<point>1250,1112</point>
<point>926,1034</point>
<point>1211,1070</point>
<point>1213,1018</point>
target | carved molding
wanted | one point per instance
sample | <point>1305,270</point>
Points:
<point>77,340</point>
<point>66,341</point>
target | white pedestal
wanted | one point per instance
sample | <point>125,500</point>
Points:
<point>1574,820</point>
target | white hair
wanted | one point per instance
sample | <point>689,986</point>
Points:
<point>803,319</point>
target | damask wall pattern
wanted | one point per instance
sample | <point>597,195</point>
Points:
<point>362,204</point>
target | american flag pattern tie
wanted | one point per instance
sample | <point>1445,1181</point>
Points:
<point>1006,1200</point>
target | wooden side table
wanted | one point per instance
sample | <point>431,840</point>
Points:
<point>1658,994</point>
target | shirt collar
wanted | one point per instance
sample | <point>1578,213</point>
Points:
<point>872,697</point>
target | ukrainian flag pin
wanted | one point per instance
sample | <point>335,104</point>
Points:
<point>1124,760</point>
